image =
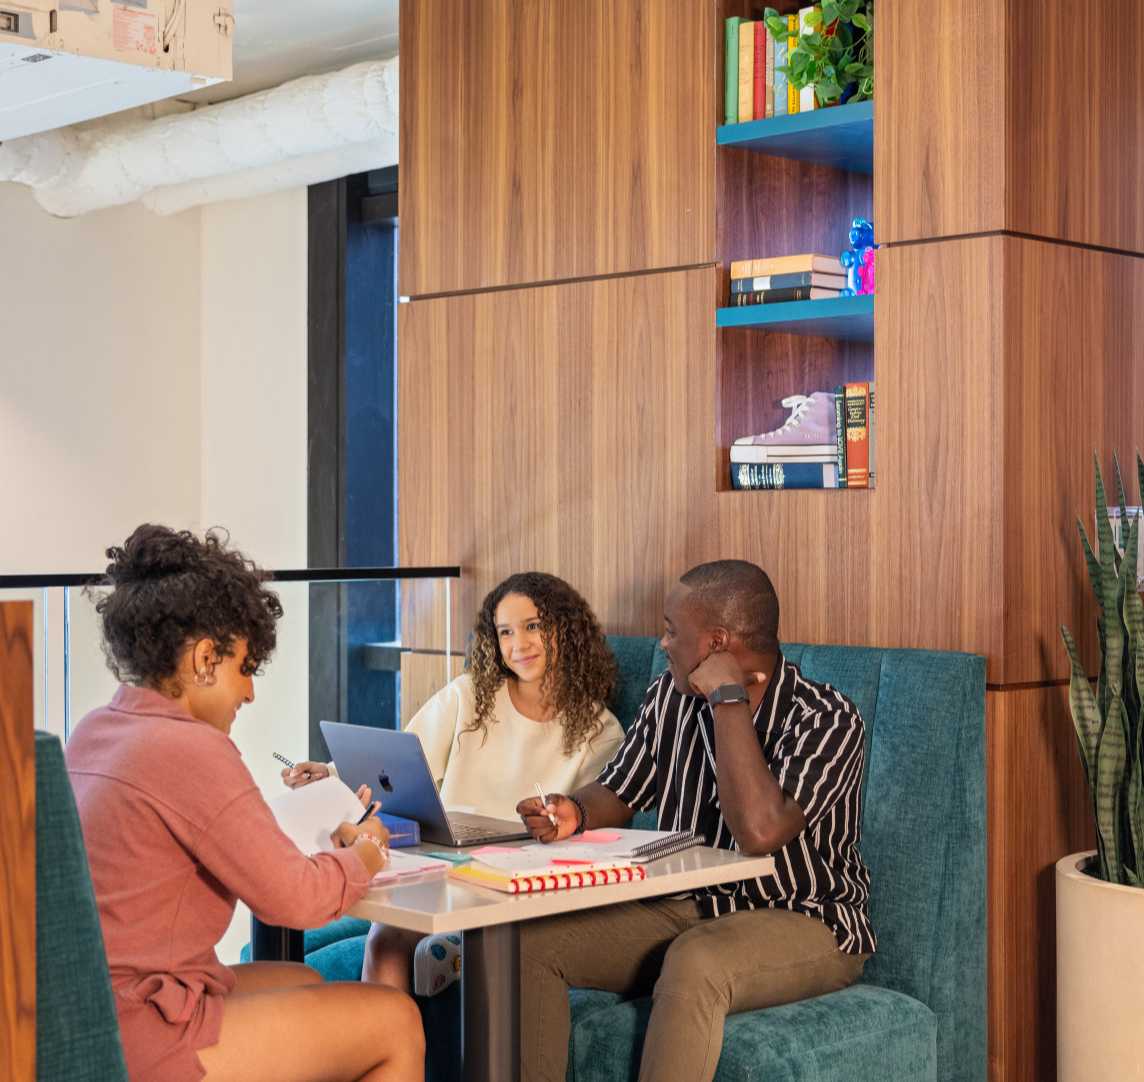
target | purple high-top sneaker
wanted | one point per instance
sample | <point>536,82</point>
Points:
<point>810,426</point>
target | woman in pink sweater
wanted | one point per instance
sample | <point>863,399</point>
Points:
<point>176,831</point>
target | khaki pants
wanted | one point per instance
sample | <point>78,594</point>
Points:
<point>702,969</point>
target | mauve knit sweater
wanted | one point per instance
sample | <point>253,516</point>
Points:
<point>176,830</point>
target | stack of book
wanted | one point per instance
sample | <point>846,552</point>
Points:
<point>808,277</point>
<point>847,461</point>
<point>755,84</point>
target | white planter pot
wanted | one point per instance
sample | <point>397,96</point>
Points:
<point>1100,977</point>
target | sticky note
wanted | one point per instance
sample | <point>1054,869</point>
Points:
<point>597,836</point>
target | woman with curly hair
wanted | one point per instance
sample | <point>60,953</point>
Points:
<point>530,709</point>
<point>176,831</point>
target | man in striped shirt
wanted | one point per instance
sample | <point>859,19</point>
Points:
<point>736,745</point>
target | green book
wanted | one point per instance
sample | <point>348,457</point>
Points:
<point>731,71</point>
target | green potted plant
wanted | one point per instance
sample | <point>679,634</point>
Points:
<point>835,54</point>
<point>1100,903</point>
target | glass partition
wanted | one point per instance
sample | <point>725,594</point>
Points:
<point>344,641</point>
<point>363,645</point>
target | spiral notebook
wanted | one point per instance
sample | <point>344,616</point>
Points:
<point>638,846</point>
<point>594,858</point>
<point>559,876</point>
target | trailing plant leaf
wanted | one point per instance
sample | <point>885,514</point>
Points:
<point>834,51</point>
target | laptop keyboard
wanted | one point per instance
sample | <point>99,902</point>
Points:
<point>468,833</point>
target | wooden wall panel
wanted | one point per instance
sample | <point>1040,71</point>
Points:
<point>1038,812</point>
<point>1075,123</point>
<point>940,117</point>
<point>568,429</point>
<point>573,429</point>
<point>17,846</point>
<point>1074,382</point>
<point>577,142</point>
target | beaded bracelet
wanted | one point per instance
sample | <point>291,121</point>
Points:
<point>374,840</point>
<point>583,824</point>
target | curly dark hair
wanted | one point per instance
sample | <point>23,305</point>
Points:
<point>584,676</point>
<point>169,589</point>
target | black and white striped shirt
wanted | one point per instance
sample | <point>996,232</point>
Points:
<point>812,738</point>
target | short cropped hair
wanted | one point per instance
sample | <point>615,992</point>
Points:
<point>739,596</point>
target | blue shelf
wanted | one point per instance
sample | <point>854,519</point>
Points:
<point>849,318</point>
<point>841,137</point>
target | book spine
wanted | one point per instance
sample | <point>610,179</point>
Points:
<point>782,102</point>
<point>769,82</point>
<point>781,475</point>
<point>870,474</point>
<point>792,41</point>
<point>731,70</point>
<point>759,93</point>
<point>746,70</point>
<point>857,431</point>
<point>793,264</point>
<point>806,98</point>
<point>780,296</point>
<point>840,434</point>
<point>782,281</point>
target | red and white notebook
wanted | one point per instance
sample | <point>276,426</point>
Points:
<point>557,877</point>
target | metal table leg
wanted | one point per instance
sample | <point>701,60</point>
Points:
<point>269,943</point>
<point>490,997</point>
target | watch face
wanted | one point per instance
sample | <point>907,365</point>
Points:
<point>728,693</point>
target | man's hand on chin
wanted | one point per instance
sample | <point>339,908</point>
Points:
<point>720,668</point>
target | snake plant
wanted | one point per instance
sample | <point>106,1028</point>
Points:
<point>1108,723</point>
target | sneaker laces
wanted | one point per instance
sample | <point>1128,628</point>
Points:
<point>798,404</point>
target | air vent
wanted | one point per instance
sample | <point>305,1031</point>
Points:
<point>36,58</point>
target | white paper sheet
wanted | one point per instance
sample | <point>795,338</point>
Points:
<point>308,815</point>
<point>402,865</point>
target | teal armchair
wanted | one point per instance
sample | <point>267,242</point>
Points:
<point>77,1033</point>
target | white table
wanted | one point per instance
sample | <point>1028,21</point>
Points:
<point>490,922</point>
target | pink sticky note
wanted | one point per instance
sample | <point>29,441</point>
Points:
<point>598,836</point>
<point>491,849</point>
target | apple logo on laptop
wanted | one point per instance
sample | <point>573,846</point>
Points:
<point>383,781</point>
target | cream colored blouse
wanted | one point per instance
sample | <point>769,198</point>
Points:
<point>488,773</point>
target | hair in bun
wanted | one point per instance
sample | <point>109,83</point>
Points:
<point>170,589</point>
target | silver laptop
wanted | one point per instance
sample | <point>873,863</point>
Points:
<point>394,766</point>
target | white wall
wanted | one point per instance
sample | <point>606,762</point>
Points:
<point>254,440</point>
<point>99,403</point>
<point>154,369</point>
<point>99,380</point>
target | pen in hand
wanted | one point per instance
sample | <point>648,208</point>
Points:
<point>289,764</point>
<point>544,802</point>
<point>371,810</point>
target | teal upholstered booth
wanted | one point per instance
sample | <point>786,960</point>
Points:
<point>77,1035</point>
<point>918,1014</point>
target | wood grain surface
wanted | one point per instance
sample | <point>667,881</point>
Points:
<point>1074,123</point>
<point>17,845</point>
<point>1038,812</point>
<point>543,142</point>
<point>940,117</point>
<point>1073,383</point>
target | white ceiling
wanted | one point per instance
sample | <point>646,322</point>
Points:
<point>278,40</point>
